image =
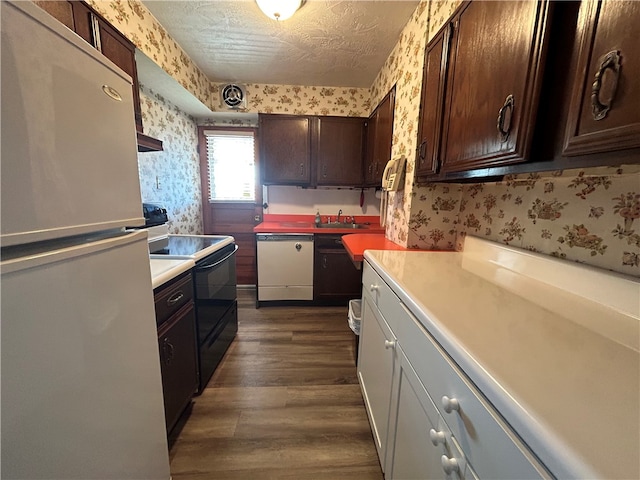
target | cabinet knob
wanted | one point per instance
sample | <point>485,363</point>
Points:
<point>298,246</point>
<point>373,288</point>
<point>450,404</point>
<point>437,438</point>
<point>449,465</point>
<point>389,344</point>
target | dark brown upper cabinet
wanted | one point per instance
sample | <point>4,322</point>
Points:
<point>431,104</point>
<point>122,52</point>
<point>339,151</point>
<point>604,113</point>
<point>379,139</point>
<point>61,10</point>
<point>285,149</point>
<point>95,30</point>
<point>493,83</point>
<point>309,151</point>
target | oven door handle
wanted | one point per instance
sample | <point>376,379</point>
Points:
<point>209,266</point>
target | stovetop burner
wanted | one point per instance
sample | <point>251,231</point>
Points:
<point>195,247</point>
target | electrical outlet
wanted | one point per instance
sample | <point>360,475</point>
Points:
<point>158,182</point>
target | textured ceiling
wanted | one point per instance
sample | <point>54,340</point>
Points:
<point>327,43</point>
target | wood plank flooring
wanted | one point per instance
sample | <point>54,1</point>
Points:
<point>284,404</point>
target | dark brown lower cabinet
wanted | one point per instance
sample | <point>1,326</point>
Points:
<point>178,362</point>
<point>335,277</point>
<point>176,320</point>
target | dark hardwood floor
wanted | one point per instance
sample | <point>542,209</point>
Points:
<point>284,404</point>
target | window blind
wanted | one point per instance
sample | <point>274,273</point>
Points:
<point>231,165</point>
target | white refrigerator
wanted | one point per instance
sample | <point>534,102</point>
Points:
<point>81,391</point>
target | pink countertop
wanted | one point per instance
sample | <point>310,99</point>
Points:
<point>276,223</point>
<point>357,243</point>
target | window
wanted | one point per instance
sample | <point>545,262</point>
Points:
<point>231,165</point>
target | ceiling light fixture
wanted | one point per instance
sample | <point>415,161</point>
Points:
<point>279,9</point>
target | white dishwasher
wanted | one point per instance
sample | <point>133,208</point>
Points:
<point>285,266</point>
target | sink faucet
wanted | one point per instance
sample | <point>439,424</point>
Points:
<point>338,218</point>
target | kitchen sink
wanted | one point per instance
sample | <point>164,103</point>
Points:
<point>343,225</point>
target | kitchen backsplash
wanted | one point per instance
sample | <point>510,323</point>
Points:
<point>589,216</point>
<point>171,177</point>
<point>287,199</point>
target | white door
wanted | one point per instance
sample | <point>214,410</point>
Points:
<point>418,436</point>
<point>81,385</point>
<point>375,372</point>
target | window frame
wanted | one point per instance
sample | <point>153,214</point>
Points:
<point>204,163</point>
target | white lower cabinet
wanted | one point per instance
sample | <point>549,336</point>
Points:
<point>375,371</point>
<point>420,445</point>
<point>428,420</point>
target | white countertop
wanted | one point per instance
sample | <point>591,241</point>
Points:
<point>164,269</point>
<point>565,382</point>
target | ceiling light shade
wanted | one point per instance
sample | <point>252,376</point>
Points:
<point>279,9</point>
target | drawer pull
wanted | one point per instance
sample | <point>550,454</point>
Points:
<point>450,404</point>
<point>175,298</point>
<point>437,438</point>
<point>168,352</point>
<point>449,465</point>
<point>374,288</point>
<point>389,344</point>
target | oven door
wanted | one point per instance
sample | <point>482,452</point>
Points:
<point>215,288</point>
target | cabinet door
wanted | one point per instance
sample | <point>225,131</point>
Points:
<point>380,139</point>
<point>419,436</point>
<point>178,363</point>
<point>61,10</point>
<point>493,83</point>
<point>605,106</point>
<point>375,372</point>
<point>285,149</point>
<point>82,19</point>
<point>335,277</point>
<point>339,150</point>
<point>433,83</point>
<point>121,52</point>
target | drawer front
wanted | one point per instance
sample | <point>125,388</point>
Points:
<point>381,296</point>
<point>488,443</point>
<point>171,297</point>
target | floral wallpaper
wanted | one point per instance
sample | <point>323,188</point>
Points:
<point>404,69</point>
<point>302,100</point>
<point>171,177</point>
<point>590,216</point>
<point>137,23</point>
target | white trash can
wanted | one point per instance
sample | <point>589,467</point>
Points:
<point>355,317</point>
